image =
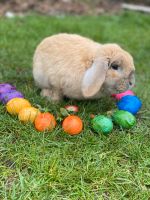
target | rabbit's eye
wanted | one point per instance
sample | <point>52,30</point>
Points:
<point>115,66</point>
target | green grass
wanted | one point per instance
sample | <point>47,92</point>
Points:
<point>46,166</point>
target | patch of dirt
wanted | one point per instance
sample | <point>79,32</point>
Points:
<point>61,7</point>
<point>139,2</point>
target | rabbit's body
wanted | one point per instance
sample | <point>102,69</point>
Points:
<point>60,63</point>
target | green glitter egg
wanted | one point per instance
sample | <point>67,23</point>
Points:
<point>124,119</point>
<point>102,124</point>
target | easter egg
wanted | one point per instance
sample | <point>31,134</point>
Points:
<point>45,121</point>
<point>5,87</point>
<point>5,97</point>
<point>102,124</point>
<point>120,95</point>
<point>28,114</point>
<point>15,105</point>
<point>72,125</point>
<point>129,103</point>
<point>124,119</point>
<point>72,108</point>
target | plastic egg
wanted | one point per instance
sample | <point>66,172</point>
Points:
<point>102,124</point>
<point>72,125</point>
<point>124,119</point>
<point>28,114</point>
<point>120,95</point>
<point>5,97</point>
<point>6,90</point>
<point>72,108</point>
<point>45,121</point>
<point>5,87</point>
<point>129,103</point>
<point>15,105</point>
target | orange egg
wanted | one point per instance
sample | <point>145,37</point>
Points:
<point>72,125</point>
<point>28,114</point>
<point>45,121</point>
<point>15,105</point>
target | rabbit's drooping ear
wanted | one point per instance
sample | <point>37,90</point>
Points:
<point>94,77</point>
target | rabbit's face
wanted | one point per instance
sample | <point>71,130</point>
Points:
<point>113,69</point>
<point>120,74</point>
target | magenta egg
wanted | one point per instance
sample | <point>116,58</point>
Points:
<point>120,95</point>
<point>5,97</point>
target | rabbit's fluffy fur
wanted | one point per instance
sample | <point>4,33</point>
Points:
<point>77,67</point>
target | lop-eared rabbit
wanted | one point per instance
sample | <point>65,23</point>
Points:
<point>79,68</point>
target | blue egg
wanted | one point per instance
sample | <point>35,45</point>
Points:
<point>130,103</point>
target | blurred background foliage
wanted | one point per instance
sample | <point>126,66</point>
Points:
<point>59,7</point>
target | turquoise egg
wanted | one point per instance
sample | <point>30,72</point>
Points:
<point>102,124</point>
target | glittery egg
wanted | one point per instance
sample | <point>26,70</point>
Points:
<point>129,103</point>
<point>124,119</point>
<point>5,97</point>
<point>120,95</point>
<point>102,124</point>
<point>28,114</point>
<point>45,121</point>
<point>72,125</point>
<point>6,87</point>
<point>15,105</point>
<point>72,108</point>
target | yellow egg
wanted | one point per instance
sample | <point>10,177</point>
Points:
<point>15,105</point>
<point>28,114</point>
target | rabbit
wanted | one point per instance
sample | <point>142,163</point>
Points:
<point>77,67</point>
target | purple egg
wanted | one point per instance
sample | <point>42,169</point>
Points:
<point>5,97</point>
<point>6,87</point>
<point>6,90</point>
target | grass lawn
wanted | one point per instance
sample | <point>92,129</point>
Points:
<point>46,166</point>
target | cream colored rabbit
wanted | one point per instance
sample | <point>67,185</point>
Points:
<point>77,67</point>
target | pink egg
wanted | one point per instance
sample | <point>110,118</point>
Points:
<point>72,108</point>
<point>119,96</point>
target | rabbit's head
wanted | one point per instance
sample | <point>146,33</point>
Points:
<point>112,68</point>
